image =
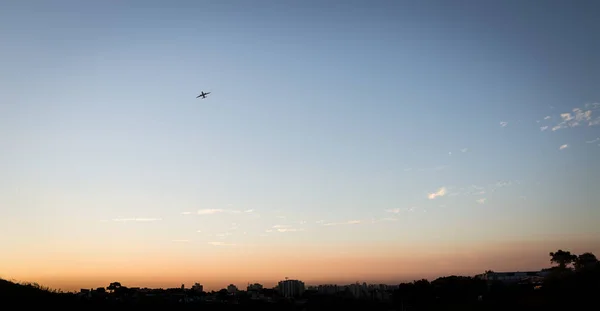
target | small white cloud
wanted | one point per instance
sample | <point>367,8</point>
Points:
<point>481,201</point>
<point>185,213</point>
<point>249,211</point>
<point>547,117</point>
<point>563,147</point>
<point>393,210</point>
<point>503,124</point>
<point>440,193</point>
<point>210,211</point>
<point>543,128</point>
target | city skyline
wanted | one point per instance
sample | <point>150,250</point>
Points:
<point>378,142</point>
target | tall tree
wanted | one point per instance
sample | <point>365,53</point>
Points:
<point>562,258</point>
<point>585,260</point>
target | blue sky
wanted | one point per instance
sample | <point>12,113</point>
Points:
<point>320,113</point>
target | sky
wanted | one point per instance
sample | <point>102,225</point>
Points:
<point>343,141</point>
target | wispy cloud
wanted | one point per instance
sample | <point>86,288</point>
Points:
<point>137,219</point>
<point>503,124</point>
<point>440,193</point>
<point>543,128</point>
<point>186,213</point>
<point>563,147</point>
<point>464,149</point>
<point>284,228</point>
<point>400,210</point>
<point>349,222</point>
<point>593,140</point>
<point>592,106</point>
<point>210,211</point>
<point>547,117</point>
<point>481,201</point>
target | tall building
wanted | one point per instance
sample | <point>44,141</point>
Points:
<point>291,288</point>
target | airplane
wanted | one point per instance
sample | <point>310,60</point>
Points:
<point>203,95</point>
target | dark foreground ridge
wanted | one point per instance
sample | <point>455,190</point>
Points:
<point>573,283</point>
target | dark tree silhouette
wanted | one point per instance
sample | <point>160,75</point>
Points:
<point>113,286</point>
<point>562,258</point>
<point>585,261</point>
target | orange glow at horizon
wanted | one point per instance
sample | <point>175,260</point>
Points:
<point>241,266</point>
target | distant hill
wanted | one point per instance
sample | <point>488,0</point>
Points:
<point>30,293</point>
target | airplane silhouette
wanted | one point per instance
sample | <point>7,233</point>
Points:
<point>203,95</point>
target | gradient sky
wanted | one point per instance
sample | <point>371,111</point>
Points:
<point>378,141</point>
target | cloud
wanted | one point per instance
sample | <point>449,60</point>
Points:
<point>136,219</point>
<point>543,128</point>
<point>186,213</point>
<point>210,211</point>
<point>578,117</point>
<point>464,149</point>
<point>440,193</point>
<point>249,211</point>
<point>349,222</point>
<point>289,230</point>
<point>400,210</point>
<point>221,244</point>
<point>592,106</point>
<point>503,124</point>
<point>593,140</point>
<point>563,147</point>
<point>547,117</point>
<point>481,201</point>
